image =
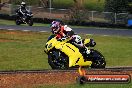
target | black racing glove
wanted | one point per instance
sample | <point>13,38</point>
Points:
<point>92,43</point>
<point>63,38</point>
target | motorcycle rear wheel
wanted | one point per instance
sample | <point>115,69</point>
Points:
<point>98,60</point>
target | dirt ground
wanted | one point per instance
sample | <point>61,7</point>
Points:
<point>32,78</point>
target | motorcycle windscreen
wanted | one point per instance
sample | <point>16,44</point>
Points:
<point>50,44</point>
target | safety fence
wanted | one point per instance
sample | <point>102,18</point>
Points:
<point>70,14</point>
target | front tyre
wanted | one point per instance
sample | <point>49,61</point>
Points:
<point>98,60</point>
<point>30,22</point>
<point>58,60</point>
<point>17,22</point>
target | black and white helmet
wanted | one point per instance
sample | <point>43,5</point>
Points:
<point>23,4</point>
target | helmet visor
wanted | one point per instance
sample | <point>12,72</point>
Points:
<point>55,29</point>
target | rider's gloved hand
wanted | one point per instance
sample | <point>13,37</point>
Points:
<point>63,38</point>
<point>92,43</point>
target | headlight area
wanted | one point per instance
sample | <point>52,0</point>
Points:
<point>47,47</point>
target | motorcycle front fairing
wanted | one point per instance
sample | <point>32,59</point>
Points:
<point>50,44</point>
<point>75,57</point>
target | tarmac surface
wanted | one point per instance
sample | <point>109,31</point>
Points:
<point>93,31</point>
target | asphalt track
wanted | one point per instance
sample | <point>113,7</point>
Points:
<point>93,31</point>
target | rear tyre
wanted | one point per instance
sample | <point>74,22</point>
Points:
<point>98,60</point>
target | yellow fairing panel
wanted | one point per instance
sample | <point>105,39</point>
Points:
<point>81,62</point>
<point>70,50</point>
<point>86,41</point>
<point>50,44</point>
<point>75,57</point>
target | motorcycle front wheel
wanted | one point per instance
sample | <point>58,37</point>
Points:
<point>17,22</point>
<point>30,22</point>
<point>58,60</point>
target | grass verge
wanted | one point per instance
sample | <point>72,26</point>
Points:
<point>11,22</point>
<point>87,86</point>
<point>24,50</point>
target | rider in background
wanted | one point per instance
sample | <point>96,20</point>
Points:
<point>22,10</point>
<point>63,31</point>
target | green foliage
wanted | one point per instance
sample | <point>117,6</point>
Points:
<point>130,6</point>
<point>94,5</point>
<point>116,6</point>
<point>88,4</point>
<point>28,2</point>
<point>78,16</point>
<point>18,2</point>
<point>63,4</point>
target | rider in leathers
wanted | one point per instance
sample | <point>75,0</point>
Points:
<point>22,11</point>
<point>63,31</point>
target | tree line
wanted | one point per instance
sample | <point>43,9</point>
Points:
<point>116,6</point>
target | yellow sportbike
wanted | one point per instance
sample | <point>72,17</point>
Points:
<point>65,55</point>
